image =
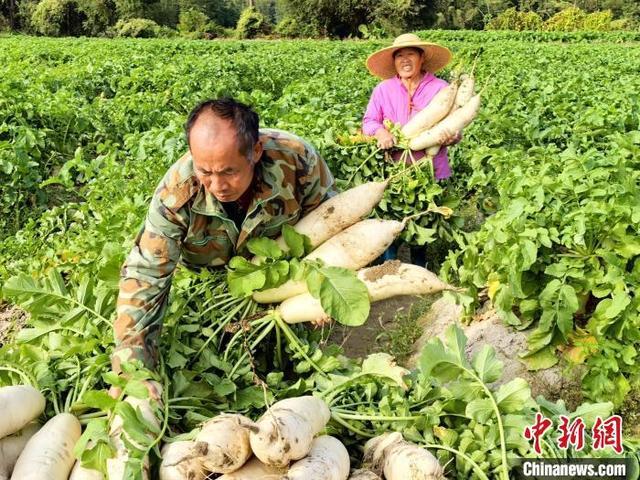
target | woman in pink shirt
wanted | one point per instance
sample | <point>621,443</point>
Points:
<point>408,86</point>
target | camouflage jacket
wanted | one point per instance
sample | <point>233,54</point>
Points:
<point>186,224</point>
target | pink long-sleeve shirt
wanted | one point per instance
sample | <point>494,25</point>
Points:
<point>390,100</point>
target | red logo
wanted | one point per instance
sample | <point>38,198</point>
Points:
<point>605,433</point>
<point>571,434</point>
<point>608,433</point>
<point>537,430</point>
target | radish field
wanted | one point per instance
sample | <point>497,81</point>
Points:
<point>545,227</point>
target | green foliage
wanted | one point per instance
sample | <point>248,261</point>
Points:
<point>568,20</point>
<point>458,15</point>
<point>129,9</point>
<point>192,20</point>
<point>598,21</point>
<point>252,24</point>
<point>511,19</point>
<point>343,19</point>
<point>290,27</point>
<point>136,28</point>
<point>56,17</point>
<point>196,24</point>
<point>71,17</point>
<point>224,13</point>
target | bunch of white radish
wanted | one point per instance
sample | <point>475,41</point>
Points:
<point>282,445</point>
<point>341,238</point>
<point>449,112</point>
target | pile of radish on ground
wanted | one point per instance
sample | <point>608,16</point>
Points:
<point>286,444</point>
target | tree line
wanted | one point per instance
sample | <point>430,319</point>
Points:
<point>307,18</point>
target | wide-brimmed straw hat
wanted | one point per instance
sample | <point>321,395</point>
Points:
<point>381,64</point>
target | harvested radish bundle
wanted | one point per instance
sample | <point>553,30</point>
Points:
<point>285,432</point>
<point>183,461</point>
<point>116,466</point>
<point>398,459</point>
<point>338,213</point>
<point>48,455</point>
<point>19,404</point>
<point>11,447</point>
<point>81,473</point>
<point>328,459</point>
<point>227,442</point>
<point>391,279</point>
<point>454,122</point>
<point>436,110</point>
<point>254,469</point>
<point>363,474</point>
<point>353,248</point>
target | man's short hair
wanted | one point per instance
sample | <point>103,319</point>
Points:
<point>243,118</point>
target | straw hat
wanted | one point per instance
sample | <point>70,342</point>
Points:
<point>381,64</point>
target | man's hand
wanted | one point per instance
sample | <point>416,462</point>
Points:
<point>385,139</point>
<point>152,388</point>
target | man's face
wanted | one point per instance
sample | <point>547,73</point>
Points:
<point>224,171</point>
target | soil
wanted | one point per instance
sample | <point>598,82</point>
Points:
<point>387,268</point>
<point>559,381</point>
<point>358,342</point>
<point>12,319</point>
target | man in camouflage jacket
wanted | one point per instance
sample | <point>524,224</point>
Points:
<point>236,182</point>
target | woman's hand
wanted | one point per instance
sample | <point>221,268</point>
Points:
<point>385,139</point>
<point>449,138</point>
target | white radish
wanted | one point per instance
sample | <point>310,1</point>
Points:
<point>81,473</point>
<point>288,289</point>
<point>391,279</point>
<point>358,245</point>
<point>338,213</point>
<point>328,459</point>
<point>454,122</point>
<point>11,447</point>
<point>353,248</point>
<point>285,432</point>
<point>401,460</point>
<point>436,110</point>
<point>363,474</point>
<point>465,91</point>
<point>19,404</point>
<point>227,441</point>
<point>254,469</point>
<point>116,466</point>
<point>48,455</point>
<point>394,278</point>
<point>183,461</point>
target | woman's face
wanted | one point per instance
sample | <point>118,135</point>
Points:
<point>408,62</point>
